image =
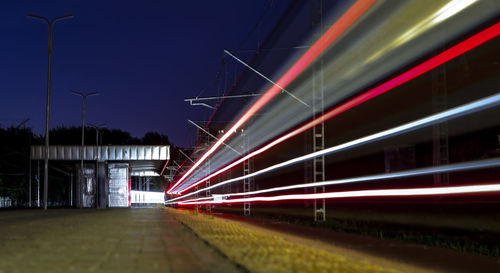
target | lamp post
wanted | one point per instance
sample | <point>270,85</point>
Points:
<point>84,104</point>
<point>97,128</point>
<point>50,23</point>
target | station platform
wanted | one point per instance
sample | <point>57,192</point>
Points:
<point>105,240</point>
<point>170,240</point>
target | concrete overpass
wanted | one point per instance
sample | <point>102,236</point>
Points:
<point>104,178</point>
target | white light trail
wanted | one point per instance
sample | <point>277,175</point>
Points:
<point>467,166</point>
<point>414,192</point>
<point>450,9</point>
<point>475,106</point>
<point>356,10</point>
<point>453,7</point>
<point>452,52</point>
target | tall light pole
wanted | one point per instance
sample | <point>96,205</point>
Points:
<point>50,23</point>
<point>84,104</point>
<point>97,128</point>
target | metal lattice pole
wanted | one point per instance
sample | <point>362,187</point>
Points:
<point>247,169</point>
<point>318,132</point>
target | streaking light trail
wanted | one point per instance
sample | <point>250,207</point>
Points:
<point>413,192</point>
<point>467,166</point>
<point>457,50</point>
<point>448,10</point>
<point>344,22</point>
<point>475,106</point>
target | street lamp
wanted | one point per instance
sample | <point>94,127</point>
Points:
<point>84,104</point>
<point>97,128</point>
<point>50,23</point>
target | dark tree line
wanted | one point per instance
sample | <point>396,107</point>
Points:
<point>73,136</point>
<point>14,161</point>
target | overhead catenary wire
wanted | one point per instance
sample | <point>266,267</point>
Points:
<point>332,34</point>
<point>443,57</point>
<point>214,137</point>
<point>266,78</point>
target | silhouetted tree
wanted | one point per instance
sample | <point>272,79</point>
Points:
<point>14,160</point>
<point>73,136</point>
<point>117,137</point>
<point>154,138</point>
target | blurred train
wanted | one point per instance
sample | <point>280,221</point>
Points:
<point>393,65</point>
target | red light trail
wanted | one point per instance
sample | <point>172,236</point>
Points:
<point>450,168</point>
<point>402,192</point>
<point>344,22</point>
<point>453,52</point>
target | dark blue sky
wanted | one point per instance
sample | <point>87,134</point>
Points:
<point>144,57</point>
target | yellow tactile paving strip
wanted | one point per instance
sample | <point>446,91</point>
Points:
<point>258,251</point>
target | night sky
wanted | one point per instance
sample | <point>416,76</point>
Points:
<point>144,57</point>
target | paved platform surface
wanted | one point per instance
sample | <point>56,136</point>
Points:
<point>264,250</point>
<point>111,240</point>
<point>405,257</point>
